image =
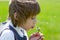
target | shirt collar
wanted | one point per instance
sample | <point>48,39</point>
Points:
<point>17,28</point>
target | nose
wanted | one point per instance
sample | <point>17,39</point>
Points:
<point>34,21</point>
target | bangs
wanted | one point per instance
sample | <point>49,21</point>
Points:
<point>28,8</point>
<point>35,9</point>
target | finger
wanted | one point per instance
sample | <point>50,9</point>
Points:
<point>41,33</point>
<point>41,37</point>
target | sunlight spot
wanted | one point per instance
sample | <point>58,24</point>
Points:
<point>54,16</point>
<point>46,22</point>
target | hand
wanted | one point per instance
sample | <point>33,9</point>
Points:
<point>36,36</point>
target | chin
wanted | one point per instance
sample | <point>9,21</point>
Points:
<point>27,29</point>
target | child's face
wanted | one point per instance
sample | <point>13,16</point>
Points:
<point>30,23</point>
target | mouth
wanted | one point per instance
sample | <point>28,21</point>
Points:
<point>32,26</point>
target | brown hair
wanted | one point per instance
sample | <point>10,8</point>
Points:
<point>24,10</point>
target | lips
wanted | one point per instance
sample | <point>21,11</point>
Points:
<point>32,26</point>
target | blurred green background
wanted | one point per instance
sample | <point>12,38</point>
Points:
<point>48,20</point>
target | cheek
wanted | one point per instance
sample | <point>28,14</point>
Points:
<point>29,24</point>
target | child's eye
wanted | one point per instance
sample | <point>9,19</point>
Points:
<point>33,18</point>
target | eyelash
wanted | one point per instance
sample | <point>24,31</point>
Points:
<point>32,18</point>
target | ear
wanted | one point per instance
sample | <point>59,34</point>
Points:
<point>15,16</point>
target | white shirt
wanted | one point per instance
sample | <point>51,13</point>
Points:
<point>9,35</point>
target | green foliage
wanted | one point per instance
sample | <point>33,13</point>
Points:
<point>3,10</point>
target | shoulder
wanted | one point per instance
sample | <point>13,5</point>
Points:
<point>7,34</point>
<point>7,31</point>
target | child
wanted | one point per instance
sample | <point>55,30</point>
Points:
<point>22,17</point>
